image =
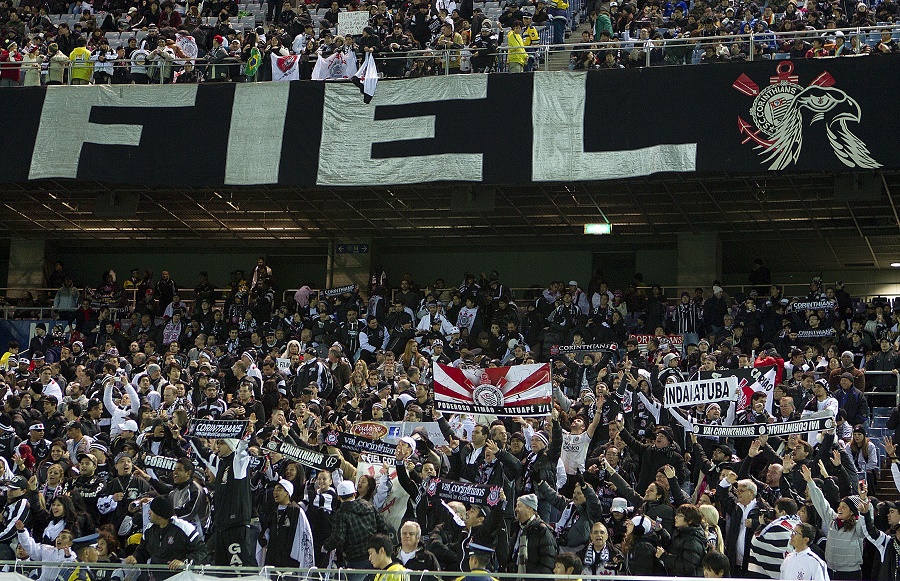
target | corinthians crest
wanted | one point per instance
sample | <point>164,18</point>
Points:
<point>782,110</point>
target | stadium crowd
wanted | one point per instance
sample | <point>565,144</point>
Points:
<point>411,39</point>
<point>98,463</point>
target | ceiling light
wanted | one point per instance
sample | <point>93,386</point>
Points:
<point>602,228</point>
<point>895,264</point>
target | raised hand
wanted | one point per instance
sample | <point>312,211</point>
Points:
<point>836,458</point>
<point>889,446</point>
<point>788,462</point>
<point>754,449</point>
<point>806,472</point>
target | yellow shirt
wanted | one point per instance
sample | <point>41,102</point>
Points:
<point>517,54</point>
<point>395,572</point>
<point>82,67</point>
<point>530,36</point>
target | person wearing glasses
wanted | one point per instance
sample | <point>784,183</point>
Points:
<point>803,563</point>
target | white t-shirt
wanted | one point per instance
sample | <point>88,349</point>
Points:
<point>805,566</point>
<point>574,451</point>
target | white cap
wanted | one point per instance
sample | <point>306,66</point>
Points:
<point>573,283</point>
<point>409,441</point>
<point>642,522</point>
<point>454,330</point>
<point>619,504</point>
<point>130,425</point>
<point>346,488</point>
<point>287,485</point>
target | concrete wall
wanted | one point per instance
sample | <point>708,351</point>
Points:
<point>516,269</point>
<point>290,271</point>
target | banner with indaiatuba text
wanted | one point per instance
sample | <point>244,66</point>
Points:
<point>765,116</point>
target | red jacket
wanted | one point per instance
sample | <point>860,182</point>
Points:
<point>764,360</point>
<point>174,20</point>
<point>8,71</point>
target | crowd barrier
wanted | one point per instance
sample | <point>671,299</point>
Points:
<point>648,52</point>
<point>195,572</point>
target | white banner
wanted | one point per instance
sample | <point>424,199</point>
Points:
<point>352,23</point>
<point>339,65</point>
<point>690,393</point>
<point>286,68</point>
<point>284,365</point>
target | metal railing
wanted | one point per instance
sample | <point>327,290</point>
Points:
<point>277,573</point>
<point>884,393</point>
<point>652,51</point>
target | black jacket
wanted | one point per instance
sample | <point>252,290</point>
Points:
<point>684,555</point>
<point>177,540</point>
<point>652,459</point>
<point>537,547</point>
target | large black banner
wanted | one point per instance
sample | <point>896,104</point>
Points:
<point>804,115</point>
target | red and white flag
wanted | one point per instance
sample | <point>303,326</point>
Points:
<point>286,68</point>
<point>520,390</point>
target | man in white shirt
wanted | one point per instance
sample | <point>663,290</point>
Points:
<point>803,564</point>
<point>576,442</point>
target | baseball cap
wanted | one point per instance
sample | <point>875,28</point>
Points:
<point>90,457</point>
<point>346,488</point>
<point>130,425</point>
<point>18,482</point>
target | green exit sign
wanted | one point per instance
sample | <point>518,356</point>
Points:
<point>598,228</point>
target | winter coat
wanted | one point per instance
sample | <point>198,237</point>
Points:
<point>577,534</point>
<point>684,555</point>
<point>652,459</point>
<point>541,547</point>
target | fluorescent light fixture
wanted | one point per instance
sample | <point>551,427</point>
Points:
<point>895,264</point>
<point>603,228</point>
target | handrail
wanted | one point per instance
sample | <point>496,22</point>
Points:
<point>445,56</point>
<point>314,572</point>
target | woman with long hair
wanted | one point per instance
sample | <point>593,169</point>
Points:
<point>714,539</point>
<point>365,487</point>
<point>53,483</point>
<point>411,356</point>
<point>844,529</point>
<point>865,456</point>
<point>64,515</point>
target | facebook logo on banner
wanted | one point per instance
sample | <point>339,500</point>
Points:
<point>394,432</point>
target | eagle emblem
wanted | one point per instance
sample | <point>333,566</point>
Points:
<point>781,110</point>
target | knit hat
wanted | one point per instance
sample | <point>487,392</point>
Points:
<point>667,432</point>
<point>287,485</point>
<point>854,502</point>
<point>860,429</point>
<point>531,501</point>
<point>542,436</point>
<point>669,357</point>
<point>162,506</point>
